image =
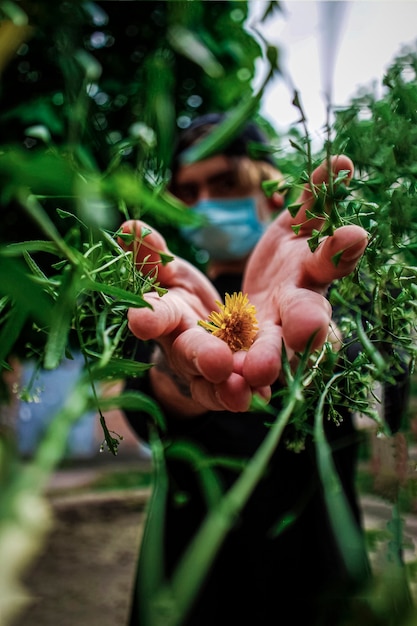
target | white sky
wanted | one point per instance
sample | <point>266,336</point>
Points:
<point>365,37</point>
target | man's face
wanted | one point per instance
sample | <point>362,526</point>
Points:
<point>210,179</point>
<point>216,178</point>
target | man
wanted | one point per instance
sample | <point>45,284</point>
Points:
<point>205,388</point>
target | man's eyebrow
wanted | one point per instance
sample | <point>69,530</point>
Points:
<point>195,182</point>
<point>219,175</point>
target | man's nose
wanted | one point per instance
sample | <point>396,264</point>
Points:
<point>204,193</point>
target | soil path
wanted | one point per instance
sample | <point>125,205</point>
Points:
<point>85,574</point>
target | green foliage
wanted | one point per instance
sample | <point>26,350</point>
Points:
<point>90,100</point>
<point>376,304</point>
<point>377,132</point>
<point>94,95</point>
<point>91,96</point>
<point>111,84</point>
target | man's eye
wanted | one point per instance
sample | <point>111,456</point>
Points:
<point>187,194</point>
<point>225,184</point>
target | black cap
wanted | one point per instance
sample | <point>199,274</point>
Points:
<point>249,141</point>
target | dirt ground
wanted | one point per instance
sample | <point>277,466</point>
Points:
<point>85,574</point>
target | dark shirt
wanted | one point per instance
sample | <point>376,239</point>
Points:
<point>259,573</point>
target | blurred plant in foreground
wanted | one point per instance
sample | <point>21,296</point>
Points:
<point>92,152</point>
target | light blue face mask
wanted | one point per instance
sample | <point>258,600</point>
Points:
<point>232,231</point>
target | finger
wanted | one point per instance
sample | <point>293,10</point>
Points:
<point>196,352</point>
<point>152,323</point>
<point>264,393</point>
<point>234,394</point>
<point>306,316</point>
<point>262,364</point>
<point>336,256</point>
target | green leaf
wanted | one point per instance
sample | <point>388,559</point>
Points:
<point>16,249</point>
<point>37,212</point>
<point>42,172</point>
<point>19,286</point>
<point>62,316</point>
<point>191,46</point>
<point>166,258</point>
<point>119,369</point>
<point>133,401</point>
<point>336,258</point>
<point>270,187</point>
<point>120,295</point>
<point>294,208</point>
<point>11,330</point>
<point>297,147</point>
<point>124,184</point>
<point>224,132</point>
<point>314,240</point>
<point>345,531</point>
<point>342,175</point>
<point>150,575</point>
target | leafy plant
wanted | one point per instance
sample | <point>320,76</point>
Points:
<point>87,129</point>
<point>94,96</point>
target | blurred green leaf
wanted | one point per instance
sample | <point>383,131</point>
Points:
<point>190,45</point>
<point>41,171</point>
<point>119,369</point>
<point>223,133</point>
<point>135,192</point>
<point>17,249</point>
<point>10,330</point>
<point>62,315</point>
<point>19,286</point>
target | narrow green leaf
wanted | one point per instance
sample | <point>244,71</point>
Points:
<point>36,211</point>
<point>297,147</point>
<point>134,401</point>
<point>342,175</point>
<point>62,315</point>
<point>125,185</point>
<point>370,349</point>
<point>150,576</point>
<point>16,249</point>
<point>224,132</point>
<point>120,369</point>
<point>121,295</point>
<point>192,47</point>
<point>345,530</point>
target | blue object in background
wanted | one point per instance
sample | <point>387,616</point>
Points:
<point>50,389</point>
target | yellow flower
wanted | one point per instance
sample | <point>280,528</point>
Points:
<point>235,322</point>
